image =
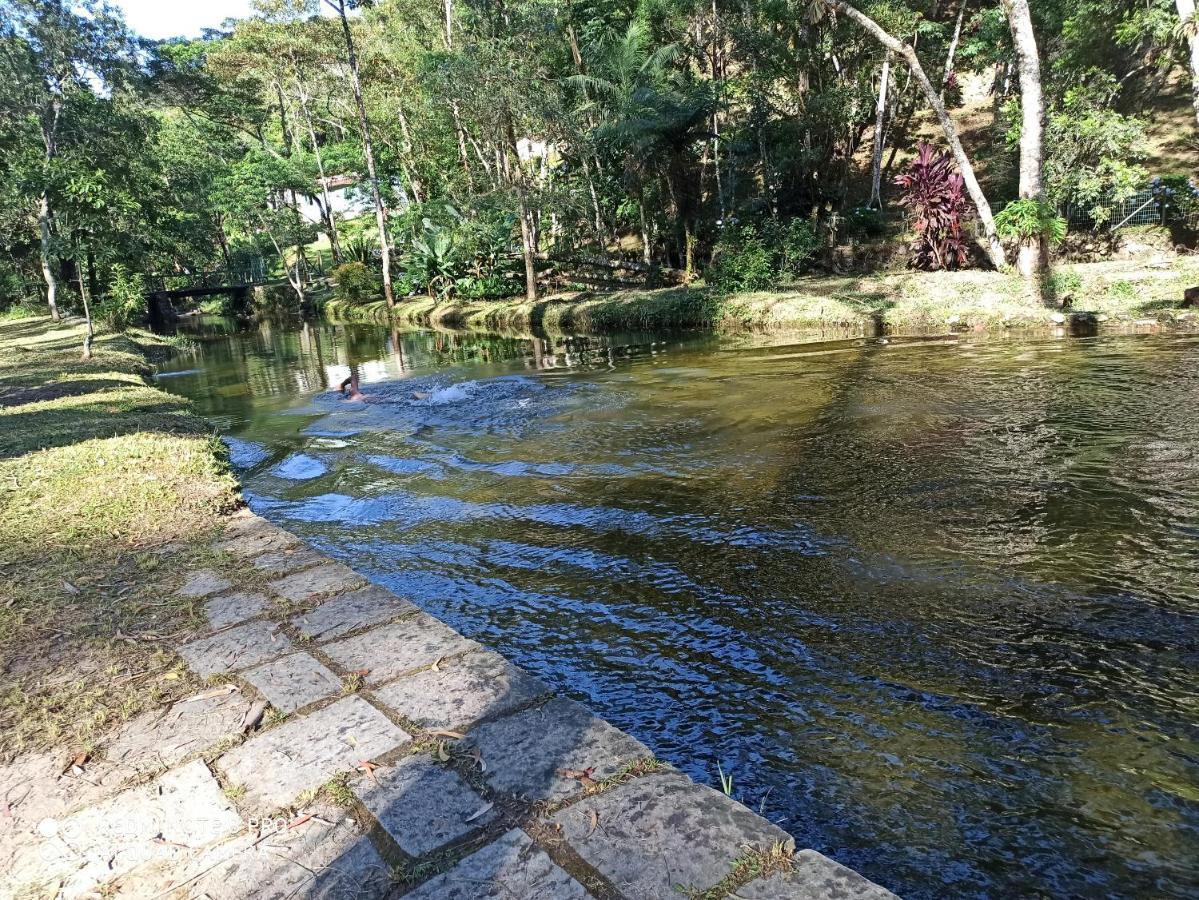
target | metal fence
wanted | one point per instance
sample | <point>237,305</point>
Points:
<point>1142,208</point>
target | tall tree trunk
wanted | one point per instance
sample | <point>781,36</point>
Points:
<point>1186,12</point>
<point>368,150</point>
<point>413,181</point>
<point>953,46</point>
<point>297,284</point>
<point>646,242</point>
<point>50,139</point>
<point>89,332</point>
<point>880,113</point>
<point>330,221</point>
<point>993,247</point>
<point>516,175</point>
<point>43,224</point>
<point>1033,256</point>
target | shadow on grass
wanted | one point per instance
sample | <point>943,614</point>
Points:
<point>32,429</point>
<point>58,389</point>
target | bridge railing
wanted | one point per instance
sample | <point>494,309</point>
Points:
<point>239,277</point>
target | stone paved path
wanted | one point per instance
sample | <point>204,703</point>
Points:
<point>354,746</point>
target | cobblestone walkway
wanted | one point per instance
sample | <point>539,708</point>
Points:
<point>351,745</point>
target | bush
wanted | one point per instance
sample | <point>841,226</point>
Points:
<point>753,258</point>
<point>864,222</point>
<point>1178,194</point>
<point>742,261</point>
<point>124,300</point>
<point>355,283</point>
<point>493,287</point>
<point>1028,220</point>
<point>1091,151</point>
<point>934,194</point>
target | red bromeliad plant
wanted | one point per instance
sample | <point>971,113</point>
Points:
<point>934,193</point>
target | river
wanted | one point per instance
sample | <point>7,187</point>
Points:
<point>932,604</point>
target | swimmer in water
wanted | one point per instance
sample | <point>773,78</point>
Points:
<point>353,394</point>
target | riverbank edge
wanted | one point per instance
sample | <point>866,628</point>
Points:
<point>233,569</point>
<point>1117,294</point>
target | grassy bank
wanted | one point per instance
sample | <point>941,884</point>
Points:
<point>905,302</point>
<point>108,487</point>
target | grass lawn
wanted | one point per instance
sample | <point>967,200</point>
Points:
<point>108,488</point>
<point>901,302</point>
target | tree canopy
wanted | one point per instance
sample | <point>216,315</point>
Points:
<point>487,144</point>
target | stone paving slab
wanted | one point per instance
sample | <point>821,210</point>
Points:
<point>237,648</point>
<point>422,805</point>
<point>278,765</point>
<point>463,691</point>
<point>293,681</point>
<point>814,876</point>
<point>391,650</point>
<point>204,583</point>
<point>35,788</point>
<point>511,868</point>
<point>525,753</point>
<point>326,857</point>
<point>328,579</point>
<point>282,562</point>
<point>251,535</point>
<point>369,606</point>
<point>661,835</point>
<point>159,821</point>
<point>233,608</point>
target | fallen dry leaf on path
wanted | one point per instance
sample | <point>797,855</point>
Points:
<point>74,764</point>
<point>442,732</point>
<point>223,691</point>
<point>253,716</point>
<point>593,815</point>
<point>298,821</point>
<point>369,768</point>
<point>442,753</point>
<point>583,776</point>
<point>482,811</point>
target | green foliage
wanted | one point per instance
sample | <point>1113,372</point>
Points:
<point>754,257</point>
<point>1065,284</point>
<point>743,262</point>
<point>354,283</point>
<point>1092,153</point>
<point>1028,219</point>
<point>432,258</point>
<point>361,248</point>
<point>124,301</point>
<point>1178,194</point>
<point>794,243</point>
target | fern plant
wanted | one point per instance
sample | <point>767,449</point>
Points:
<point>1027,220</point>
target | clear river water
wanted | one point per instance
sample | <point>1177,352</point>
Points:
<point>933,604</point>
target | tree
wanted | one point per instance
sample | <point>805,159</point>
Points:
<point>53,51</point>
<point>368,149</point>
<point>1189,28</point>
<point>1033,254</point>
<point>993,248</point>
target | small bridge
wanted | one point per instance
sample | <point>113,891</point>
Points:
<point>163,290</point>
<point>205,284</point>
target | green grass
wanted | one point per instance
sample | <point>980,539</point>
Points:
<point>903,302</point>
<point>109,488</point>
